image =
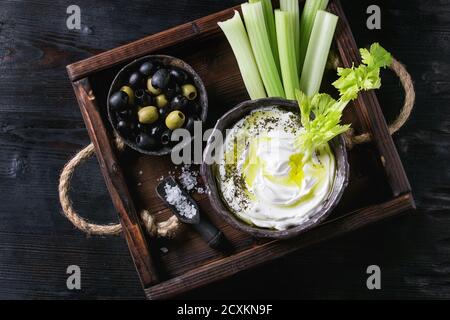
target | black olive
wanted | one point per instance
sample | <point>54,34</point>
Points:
<point>118,100</point>
<point>189,125</point>
<point>156,131</point>
<point>133,126</point>
<point>160,79</point>
<point>146,68</point>
<point>132,135</point>
<point>143,98</point>
<point>163,112</point>
<point>147,142</point>
<point>139,93</point>
<point>178,76</point>
<point>124,127</point>
<point>143,127</point>
<point>125,114</point>
<point>147,99</point>
<point>179,102</point>
<point>136,79</point>
<point>172,90</point>
<point>165,137</point>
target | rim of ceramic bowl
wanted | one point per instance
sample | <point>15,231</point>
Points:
<point>319,213</point>
<point>164,60</point>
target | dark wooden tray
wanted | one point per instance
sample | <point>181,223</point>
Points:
<point>378,187</point>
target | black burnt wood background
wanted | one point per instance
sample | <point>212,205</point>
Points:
<point>41,128</point>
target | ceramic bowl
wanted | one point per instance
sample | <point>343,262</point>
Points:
<point>319,213</point>
<point>121,79</point>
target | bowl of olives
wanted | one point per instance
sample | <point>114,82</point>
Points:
<point>153,96</point>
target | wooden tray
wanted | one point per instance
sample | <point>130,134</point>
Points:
<point>378,186</point>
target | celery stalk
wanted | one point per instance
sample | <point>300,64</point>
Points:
<point>306,25</point>
<point>237,37</point>
<point>293,7</point>
<point>270,25</point>
<point>285,25</point>
<point>259,39</point>
<point>318,49</point>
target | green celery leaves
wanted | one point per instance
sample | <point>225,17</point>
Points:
<point>321,117</point>
<point>364,77</point>
<point>321,114</point>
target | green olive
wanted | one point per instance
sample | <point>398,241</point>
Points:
<point>189,91</point>
<point>175,120</point>
<point>152,89</point>
<point>161,101</point>
<point>148,115</point>
<point>129,92</point>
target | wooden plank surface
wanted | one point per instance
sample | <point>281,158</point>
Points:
<point>42,128</point>
<point>162,40</point>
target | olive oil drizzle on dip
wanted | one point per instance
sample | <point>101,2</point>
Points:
<point>262,176</point>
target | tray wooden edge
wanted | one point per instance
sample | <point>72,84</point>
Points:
<point>115,182</point>
<point>226,267</point>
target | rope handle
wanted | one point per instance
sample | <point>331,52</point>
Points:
<point>410,96</point>
<point>167,229</point>
<point>170,227</point>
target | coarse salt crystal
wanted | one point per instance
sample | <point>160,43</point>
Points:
<point>175,197</point>
<point>200,190</point>
<point>164,249</point>
<point>188,178</point>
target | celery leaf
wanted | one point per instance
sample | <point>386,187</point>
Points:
<point>364,77</point>
<point>377,57</point>
<point>321,117</point>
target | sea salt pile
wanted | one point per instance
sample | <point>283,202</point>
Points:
<point>188,178</point>
<point>175,197</point>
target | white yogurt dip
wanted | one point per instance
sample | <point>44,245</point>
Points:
<point>262,175</point>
